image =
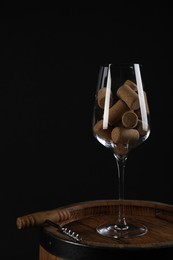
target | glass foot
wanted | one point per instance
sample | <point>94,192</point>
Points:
<point>129,231</point>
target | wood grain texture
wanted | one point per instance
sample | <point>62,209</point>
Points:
<point>38,218</point>
<point>44,255</point>
<point>85,217</point>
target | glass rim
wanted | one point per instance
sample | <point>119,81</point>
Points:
<point>122,64</point>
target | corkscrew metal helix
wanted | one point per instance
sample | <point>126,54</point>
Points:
<point>65,230</point>
<point>50,217</point>
<point>71,234</point>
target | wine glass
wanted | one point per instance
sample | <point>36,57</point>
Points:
<point>121,123</point>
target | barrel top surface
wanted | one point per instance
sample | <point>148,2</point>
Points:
<point>84,217</point>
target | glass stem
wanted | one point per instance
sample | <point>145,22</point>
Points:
<point>121,163</point>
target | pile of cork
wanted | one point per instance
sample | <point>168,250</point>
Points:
<point>124,127</point>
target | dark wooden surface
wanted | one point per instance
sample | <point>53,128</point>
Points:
<point>85,217</point>
<point>44,255</point>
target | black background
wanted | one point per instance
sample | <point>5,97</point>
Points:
<point>49,61</point>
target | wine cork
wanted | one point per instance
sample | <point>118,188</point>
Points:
<point>129,96</point>
<point>131,84</point>
<point>146,107</point>
<point>129,119</point>
<point>146,102</point>
<point>101,98</point>
<point>124,135</point>
<point>116,112</point>
<point>141,129</point>
<point>102,133</point>
<point>138,113</point>
<point>121,149</point>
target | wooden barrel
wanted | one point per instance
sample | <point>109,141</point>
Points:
<point>84,217</point>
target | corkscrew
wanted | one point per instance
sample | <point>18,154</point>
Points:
<point>65,230</point>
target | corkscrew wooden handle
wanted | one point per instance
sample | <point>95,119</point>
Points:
<point>38,218</point>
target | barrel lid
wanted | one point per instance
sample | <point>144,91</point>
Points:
<point>84,217</point>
